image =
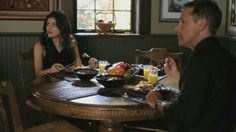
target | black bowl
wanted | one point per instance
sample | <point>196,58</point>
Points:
<point>86,74</point>
<point>111,81</point>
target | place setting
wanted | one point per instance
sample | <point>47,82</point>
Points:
<point>149,80</point>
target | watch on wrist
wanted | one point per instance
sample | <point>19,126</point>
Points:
<point>158,104</point>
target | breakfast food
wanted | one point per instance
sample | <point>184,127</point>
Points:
<point>143,87</point>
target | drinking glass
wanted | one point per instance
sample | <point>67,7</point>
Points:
<point>101,66</point>
<point>153,76</point>
<point>146,70</point>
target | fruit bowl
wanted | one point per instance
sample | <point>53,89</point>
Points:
<point>111,81</point>
<point>86,74</point>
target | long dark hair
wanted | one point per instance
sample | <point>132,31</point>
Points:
<point>63,25</point>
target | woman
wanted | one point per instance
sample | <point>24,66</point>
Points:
<point>56,47</point>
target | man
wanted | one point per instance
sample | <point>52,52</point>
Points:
<point>207,87</point>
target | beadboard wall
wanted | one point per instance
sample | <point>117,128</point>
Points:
<point>10,45</point>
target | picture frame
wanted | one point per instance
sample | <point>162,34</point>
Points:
<point>231,17</point>
<point>26,9</point>
<point>170,10</point>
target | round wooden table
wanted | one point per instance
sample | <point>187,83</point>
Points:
<point>89,100</point>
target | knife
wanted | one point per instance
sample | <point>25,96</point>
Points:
<point>126,96</point>
<point>137,100</point>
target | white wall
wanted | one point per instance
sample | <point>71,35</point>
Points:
<point>20,26</point>
<point>168,27</point>
<point>35,25</point>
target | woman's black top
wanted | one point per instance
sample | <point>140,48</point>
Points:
<point>52,56</point>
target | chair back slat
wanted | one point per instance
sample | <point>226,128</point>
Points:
<point>156,56</point>
<point>3,117</point>
<point>22,58</point>
<point>6,88</point>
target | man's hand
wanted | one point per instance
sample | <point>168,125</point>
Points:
<point>171,69</point>
<point>93,63</point>
<point>152,97</point>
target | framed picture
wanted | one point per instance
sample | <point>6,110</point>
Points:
<point>231,17</point>
<point>170,9</point>
<point>26,9</point>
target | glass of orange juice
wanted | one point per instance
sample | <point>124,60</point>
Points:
<point>101,66</point>
<point>153,76</point>
<point>146,70</point>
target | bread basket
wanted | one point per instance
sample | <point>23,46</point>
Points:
<point>105,22</point>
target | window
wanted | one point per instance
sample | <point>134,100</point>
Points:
<point>90,11</point>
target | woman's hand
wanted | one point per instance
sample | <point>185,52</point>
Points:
<point>152,97</point>
<point>56,67</point>
<point>72,67</point>
<point>171,69</point>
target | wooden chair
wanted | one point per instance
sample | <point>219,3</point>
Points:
<point>26,74</point>
<point>6,89</point>
<point>25,63</point>
<point>157,56</point>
